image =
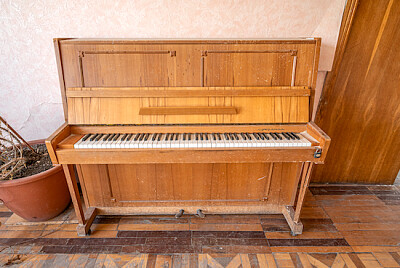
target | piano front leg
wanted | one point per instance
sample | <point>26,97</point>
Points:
<point>293,216</point>
<point>85,219</point>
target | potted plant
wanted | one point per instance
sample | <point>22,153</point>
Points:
<point>30,186</point>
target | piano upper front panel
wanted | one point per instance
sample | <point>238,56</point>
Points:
<point>188,64</point>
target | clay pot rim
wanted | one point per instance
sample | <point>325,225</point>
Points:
<point>32,178</point>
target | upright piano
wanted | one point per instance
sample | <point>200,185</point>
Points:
<point>187,126</point>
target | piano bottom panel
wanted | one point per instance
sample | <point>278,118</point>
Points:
<point>169,186</point>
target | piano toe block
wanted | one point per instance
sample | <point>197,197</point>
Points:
<point>84,229</point>
<point>295,227</point>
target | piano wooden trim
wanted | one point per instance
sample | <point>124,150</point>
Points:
<point>51,142</point>
<point>187,110</point>
<point>184,92</point>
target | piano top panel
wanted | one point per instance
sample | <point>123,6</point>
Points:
<point>86,63</point>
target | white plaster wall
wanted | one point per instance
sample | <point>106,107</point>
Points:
<point>29,90</point>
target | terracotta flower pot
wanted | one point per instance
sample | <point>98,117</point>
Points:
<point>38,197</point>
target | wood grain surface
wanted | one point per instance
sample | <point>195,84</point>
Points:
<point>360,108</point>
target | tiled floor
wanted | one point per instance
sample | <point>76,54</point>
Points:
<point>344,226</point>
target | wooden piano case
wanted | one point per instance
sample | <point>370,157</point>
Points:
<point>130,86</point>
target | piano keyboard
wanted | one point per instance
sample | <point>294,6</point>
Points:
<point>192,140</point>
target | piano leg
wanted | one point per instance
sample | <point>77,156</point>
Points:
<point>293,216</point>
<point>85,220</point>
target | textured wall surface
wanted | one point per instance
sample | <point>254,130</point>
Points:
<point>29,89</point>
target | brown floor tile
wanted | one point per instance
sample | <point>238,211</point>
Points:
<point>148,234</point>
<point>304,235</point>
<point>375,248</point>
<point>150,227</point>
<point>312,249</point>
<point>154,220</point>
<point>235,249</point>
<point>334,242</point>
<point>225,227</point>
<point>367,226</point>
<point>313,212</point>
<point>230,234</point>
<point>227,219</point>
<point>386,259</point>
<point>372,238</point>
<point>20,234</point>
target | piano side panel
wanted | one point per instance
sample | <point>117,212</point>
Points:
<point>166,185</point>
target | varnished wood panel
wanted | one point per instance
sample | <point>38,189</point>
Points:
<point>188,182</point>
<point>187,64</point>
<point>359,108</point>
<point>272,184</point>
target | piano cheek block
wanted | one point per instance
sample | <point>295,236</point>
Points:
<point>142,146</point>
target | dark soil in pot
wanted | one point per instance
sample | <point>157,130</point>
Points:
<point>37,162</point>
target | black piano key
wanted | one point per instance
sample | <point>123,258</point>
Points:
<point>159,136</point>
<point>136,137</point>
<point>236,136</point>
<point>201,136</point>
<point>261,136</point>
<point>214,136</point>
<point>265,135</point>
<point>273,136</point>
<point>189,136</point>
<point>176,136</point>
<point>256,135</point>
<point>116,137</point>
<point>141,136</point>
<point>154,136</point>
<point>86,137</point>
<point>226,136</point>
<point>292,136</point>
<point>284,134</point>
<point>106,137</point>
<point>146,136</point>
<point>184,136</point>
<point>124,136</point>
<point>219,136</point>
<point>129,137</point>
<point>295,135</point>
<point>93,137</point>
<point>278,136</point>
<point>206,136</point>
<point>243,136</point>
<point>166,137</point>
<point>248,136</point>
<point>111,137</point>
<point>99,137</point>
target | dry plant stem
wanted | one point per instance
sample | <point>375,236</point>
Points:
<point>8,126</point>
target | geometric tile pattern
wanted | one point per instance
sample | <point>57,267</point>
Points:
<point>344,226</point>
<point>320,260</point>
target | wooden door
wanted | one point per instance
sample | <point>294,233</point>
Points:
<point>360,110</point>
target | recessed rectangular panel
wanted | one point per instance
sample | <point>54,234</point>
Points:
<point>251,67</point>
<point>127,69</point>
